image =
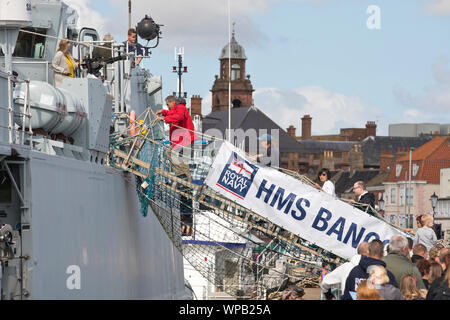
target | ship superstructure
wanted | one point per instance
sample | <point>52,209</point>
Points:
<point>70,225</point>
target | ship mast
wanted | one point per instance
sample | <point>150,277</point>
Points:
<point>129,14</point>
<point>179,70</point>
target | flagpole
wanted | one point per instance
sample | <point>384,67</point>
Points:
<point>229,71</point>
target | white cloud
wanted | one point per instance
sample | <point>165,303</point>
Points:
<point>87,16</point>
<point>438,7</point>
<point>411,115</point>
<point>435,98</point>
<point>200,25</point>
<point>330,111</point>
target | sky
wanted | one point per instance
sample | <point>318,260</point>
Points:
<point>344,62</point>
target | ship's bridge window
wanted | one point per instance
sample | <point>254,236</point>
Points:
<point>87,35</point>
<point>30,45</point>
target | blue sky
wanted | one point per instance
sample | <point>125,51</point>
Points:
<point>306,56</point>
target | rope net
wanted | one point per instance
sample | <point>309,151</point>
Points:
<point>236,250</point>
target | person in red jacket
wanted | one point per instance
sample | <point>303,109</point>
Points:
<point>181,130</point>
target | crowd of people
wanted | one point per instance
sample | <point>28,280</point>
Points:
<point>407,269</point>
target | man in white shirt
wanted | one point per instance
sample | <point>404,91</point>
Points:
<point>339,275</point>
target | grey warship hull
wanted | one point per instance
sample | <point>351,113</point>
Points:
<point>85,237</point>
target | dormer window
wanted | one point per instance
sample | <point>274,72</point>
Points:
<point>398,170</point>
<point>415,169</point>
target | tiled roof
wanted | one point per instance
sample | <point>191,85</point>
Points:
<point>319,146</point>
<point>246,118</point>
<point>427,150</point>
<point>373,146</point>
<point>427,160</point>
<point>378,179</point>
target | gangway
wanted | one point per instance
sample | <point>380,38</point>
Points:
<point>167,181</point>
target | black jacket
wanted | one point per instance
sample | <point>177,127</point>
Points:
<point>416,258</point>
<point>368,198</point>
<point>439,290</point>
<point>359,273</point>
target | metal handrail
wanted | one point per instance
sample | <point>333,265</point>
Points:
<point>25,115</point>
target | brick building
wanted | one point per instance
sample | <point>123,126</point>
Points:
<point>404,200</point>
<point>241,86</point>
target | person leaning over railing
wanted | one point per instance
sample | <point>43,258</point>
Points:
<point>181,126</point>
<point>365,199</point>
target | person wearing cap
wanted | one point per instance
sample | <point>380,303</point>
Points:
<point>271,156</point>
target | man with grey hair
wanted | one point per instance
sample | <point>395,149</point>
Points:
<point>397,261</point>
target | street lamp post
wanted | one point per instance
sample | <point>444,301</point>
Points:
<point>381,206</point>
<point>436,226</point>
<point>433,199</point>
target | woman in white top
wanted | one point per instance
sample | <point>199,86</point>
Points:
<point>327,185</point>
<point>63,64</point>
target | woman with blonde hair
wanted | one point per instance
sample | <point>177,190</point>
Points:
<point>366,291</point>
<point>63,64</point>
<point>408,288</point>
<point>434,272</point>
<point>379,278</point>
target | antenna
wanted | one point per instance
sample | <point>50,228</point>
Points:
<point>179,56</point>
<point>129,14</point>
<point>229,70</point>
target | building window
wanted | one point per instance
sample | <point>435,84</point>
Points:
<point>393,219</point>
<point>402,222</point>
<point>235,72</point>
<point>409,220</point>
<point>393,195</point>
<point>410,196</point>
<point>406,220</point>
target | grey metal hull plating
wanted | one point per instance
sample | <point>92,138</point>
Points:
<point>87,215</point>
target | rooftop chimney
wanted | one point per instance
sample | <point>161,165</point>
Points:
<point>371,129</point>
<point>291,131</point>
<point>196,106</point>
<point>306,127</point>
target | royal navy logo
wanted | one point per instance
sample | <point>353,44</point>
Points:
<point>237,176</point>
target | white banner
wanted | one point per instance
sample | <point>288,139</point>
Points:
<point>293,205</point>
